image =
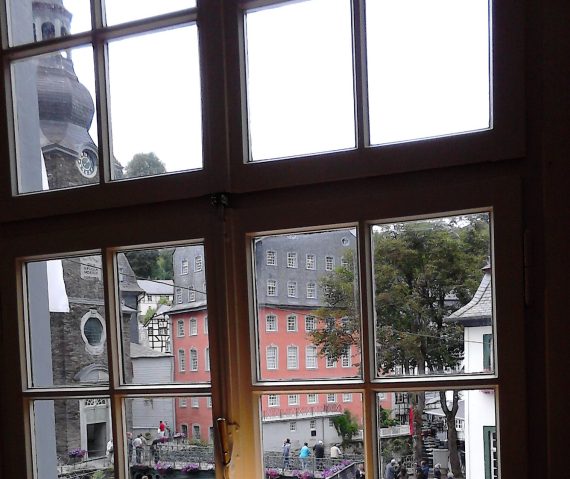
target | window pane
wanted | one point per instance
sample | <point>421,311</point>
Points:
<point>433,296</point>
<point>169,342</point>
<point>66,322</point>
<point>428,68</point>
<point>296,333</point>
<point>155,106</point>
<point>73,437</point>
<point>331,434</point>
<point>169,435</point>
<point>300,80</point>
<point>119,11</point>
<point>453,429</point>
<point>55,128</point>
<point>33,21</point>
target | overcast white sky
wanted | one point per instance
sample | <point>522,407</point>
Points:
<point>427,64</point>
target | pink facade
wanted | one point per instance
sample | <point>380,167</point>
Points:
<point>286,353</point>
<point>190,347</point>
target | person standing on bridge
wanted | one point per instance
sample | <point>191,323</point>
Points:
<point>304,455</point>
<point>286,453</point>
<point>390,472</point>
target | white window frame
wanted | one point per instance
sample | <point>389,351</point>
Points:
<point>180,328</point>
<point>311,261</point>
<point>330,363</point>
<point>346,358</point>
<point>331,398</point>
<point>292,259</point>
<point>310,320</point>
<point>292,323</point>
<point>292,357</point>
<point>312,398</point>
<point>195,402</point>
<point>271,323</point>
<point>273,400</point>
<point>184,267</point>
<point>292,426</point>
<point>181,360</point>
<point>311,290</point>
<point>193,359</point>
<point>191,294</point>
<point>311,361</point>
<point>193,328</point>
<point>205,324</point>
<point>198,263</point>
<point>293,400</point>
<point>272,362</point>
<point>329,263</point>
<point>272,287</point>
<point>182,402</point>
<point>207,358</point>
<point>292,289</point>
<point>346,397</point>
<point>271,258</point>
<point>179,295</point>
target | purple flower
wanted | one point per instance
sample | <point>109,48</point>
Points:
<point>192,467</point>
<point>77,452</point>
<point>272,473</point>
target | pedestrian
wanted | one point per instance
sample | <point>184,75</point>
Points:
<point>154,451</point>
<point>319,450</point>
<point>403,474</point>
<point>390,472</point>
<point>109,452</point>
<point>360,472</point>
<point>437,471</point>
<point>286,453</point>
<point>161,429</point>
<point>304,455</point>
<point>138,445</point>
<point>336,453</point>
<point>425,470</point>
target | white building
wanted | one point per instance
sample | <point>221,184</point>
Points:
<point>155,292</point>
<point>151,367</point>
<point>481,460</point>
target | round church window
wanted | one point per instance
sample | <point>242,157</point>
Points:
<point>93,330</point>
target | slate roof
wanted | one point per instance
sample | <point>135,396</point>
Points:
<point>140,351</point>
<point>159,287</point>
<point>478,311</point>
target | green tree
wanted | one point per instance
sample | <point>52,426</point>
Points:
<point>144,164</point>
<point>346,427</point>
<point>385,417</point>
<point>151,263</point>
<point>417,265</point>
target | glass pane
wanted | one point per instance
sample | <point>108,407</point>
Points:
<point>155,103</point>
<point>433,296</point>
<point>55,127</point>
<point>37,20</point>
<point>66,322</point>
<point>299,79</point>
<point>170,435</point>
<point>308,321</point>
<point>312,435</point>
<point>169,342</point>
<point>428,68</point>
<point>438,432</point>
<point>73,438</point>
<point>120,11</point>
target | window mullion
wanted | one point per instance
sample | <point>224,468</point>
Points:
<point>360,74</point>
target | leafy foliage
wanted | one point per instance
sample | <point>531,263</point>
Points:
<point>144,164</point>
<point>151,263</point>
<point>346,426</point>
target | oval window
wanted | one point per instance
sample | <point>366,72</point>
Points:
<point>93,330</point>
